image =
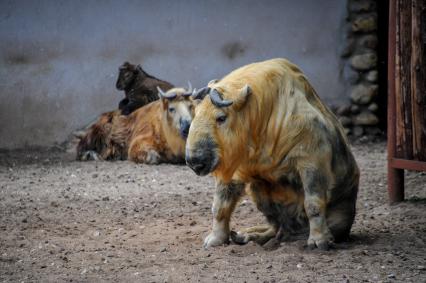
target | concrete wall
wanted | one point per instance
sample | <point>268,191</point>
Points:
<point>59,59</point>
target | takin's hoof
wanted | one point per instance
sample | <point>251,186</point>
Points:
<point>90,155</point>
<point>215,239</point>
<point>152,157</point>
<point>238,238</point>
<point>323,243</point>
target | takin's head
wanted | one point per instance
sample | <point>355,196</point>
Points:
<point>127,74</point>
<point>216,132</point>
<point>177,106</point>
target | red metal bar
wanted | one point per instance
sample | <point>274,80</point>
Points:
<point>395,176</point>
<point>408,164</point>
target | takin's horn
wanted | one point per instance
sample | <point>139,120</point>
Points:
<point>162,94</point>
<point>201,93</point>
<point>189,91</point>
<point>217,99</point>
<point>213,81</point>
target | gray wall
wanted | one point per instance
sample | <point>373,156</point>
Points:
<point>59,59</point>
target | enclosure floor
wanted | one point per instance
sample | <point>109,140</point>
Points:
<point>62,221</point>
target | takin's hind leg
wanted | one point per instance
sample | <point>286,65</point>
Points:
<point>340,218</point>
<point>258,234</point>
<point>315,186</point>
<point>258,229</point>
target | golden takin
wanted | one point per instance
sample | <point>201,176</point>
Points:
<point>265,132</point>
<point>152,134</point>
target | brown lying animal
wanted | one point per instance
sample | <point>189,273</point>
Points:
<point>95,143</point>
<point>152,134</point>
<point>265,131</point>
<point>139,87</point>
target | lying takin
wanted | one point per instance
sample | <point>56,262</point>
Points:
<point>139,87</point>
<point>265,132</point>
<point>95,143</point>
<point>152,134</point>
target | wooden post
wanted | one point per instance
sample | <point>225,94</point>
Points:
<point>418,78</point>
<point>395,176</point>
<point>404,136</point>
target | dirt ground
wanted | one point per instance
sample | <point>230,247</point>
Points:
<point>68,221</point>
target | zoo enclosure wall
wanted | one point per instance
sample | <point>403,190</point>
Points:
<point>59,59</point>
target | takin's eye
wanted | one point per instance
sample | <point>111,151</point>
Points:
<point>172,110</point>
<point>221,119</point>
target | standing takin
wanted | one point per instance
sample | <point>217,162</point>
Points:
<point>139,87</point>
<point>152,134</point>
<point>265,132</point>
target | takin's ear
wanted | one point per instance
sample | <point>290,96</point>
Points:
<point>125,65</point>
<point>242,99</point>
<point>164,102</point>
<point>195,102</point>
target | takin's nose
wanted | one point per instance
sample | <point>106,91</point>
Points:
<point>184,128</point>
<point>198,165</point>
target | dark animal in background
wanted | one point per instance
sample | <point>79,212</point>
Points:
<point>139,87</point>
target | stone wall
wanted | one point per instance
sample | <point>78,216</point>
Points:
<point>360,69</point>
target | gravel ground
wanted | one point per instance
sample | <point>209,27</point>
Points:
<point>68,221</point>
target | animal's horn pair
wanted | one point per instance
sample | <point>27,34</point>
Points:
<point>164,95</point>
<point>173,95</point>
<point>215,96</point>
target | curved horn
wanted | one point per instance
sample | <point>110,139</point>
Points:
<point>213,81</point>
<point>217,100</point>
<point>164,95</point>
<point>201,93</point>
<point>188,91</point>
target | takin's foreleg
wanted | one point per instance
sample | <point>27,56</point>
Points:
<point>224,203</point>
<point>315,186</point>
<point>143,151</point>
<point>123,103</point>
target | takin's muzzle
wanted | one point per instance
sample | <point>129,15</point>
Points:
<point>184,125</point>
<point>202,158</point>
